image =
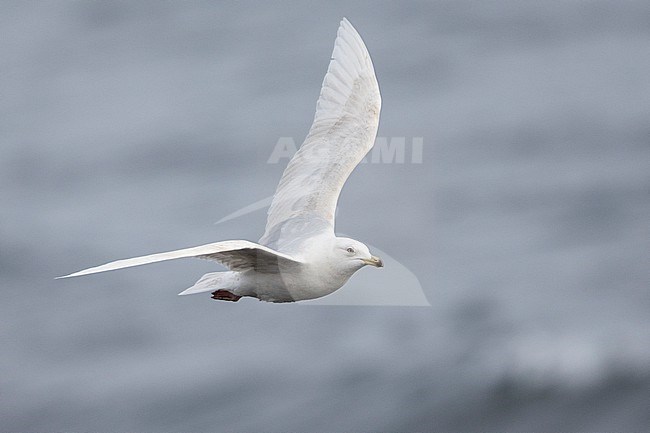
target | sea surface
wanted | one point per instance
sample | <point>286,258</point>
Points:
<point>129,128</point>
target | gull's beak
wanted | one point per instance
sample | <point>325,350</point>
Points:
<point>373,261</point>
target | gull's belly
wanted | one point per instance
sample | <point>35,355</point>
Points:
<point>298,285</point>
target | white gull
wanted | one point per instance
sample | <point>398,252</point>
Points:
<point>299,257</point>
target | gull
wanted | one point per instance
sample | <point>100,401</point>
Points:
<point>299,257</point>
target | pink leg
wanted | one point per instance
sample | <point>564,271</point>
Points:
<point>225,295</point>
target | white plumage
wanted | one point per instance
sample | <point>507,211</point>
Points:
<point>344,130</point>
<point>237,255</point>
<point>299,257</point>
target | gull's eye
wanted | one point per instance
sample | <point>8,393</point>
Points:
<point>350,250</point>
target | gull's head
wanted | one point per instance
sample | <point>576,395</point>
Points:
<point>354,255</point>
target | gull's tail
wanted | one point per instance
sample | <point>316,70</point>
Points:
<point>215,281</point>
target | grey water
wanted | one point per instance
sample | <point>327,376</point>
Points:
<point>131,127</point>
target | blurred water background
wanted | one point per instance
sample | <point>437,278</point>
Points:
<point>131,127</point>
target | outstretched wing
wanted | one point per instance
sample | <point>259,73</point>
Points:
<point>344,130</point>
<point>236,255</point>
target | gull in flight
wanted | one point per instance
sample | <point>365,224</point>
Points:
<point>299,257</point>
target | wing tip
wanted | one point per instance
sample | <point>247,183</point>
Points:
<point>73,275</point>
<point>345,22</point>
<point>62,277</point>
<point>353,56</point>
<point>349,61</point>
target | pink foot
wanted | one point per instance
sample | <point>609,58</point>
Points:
<point>225,295</point>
